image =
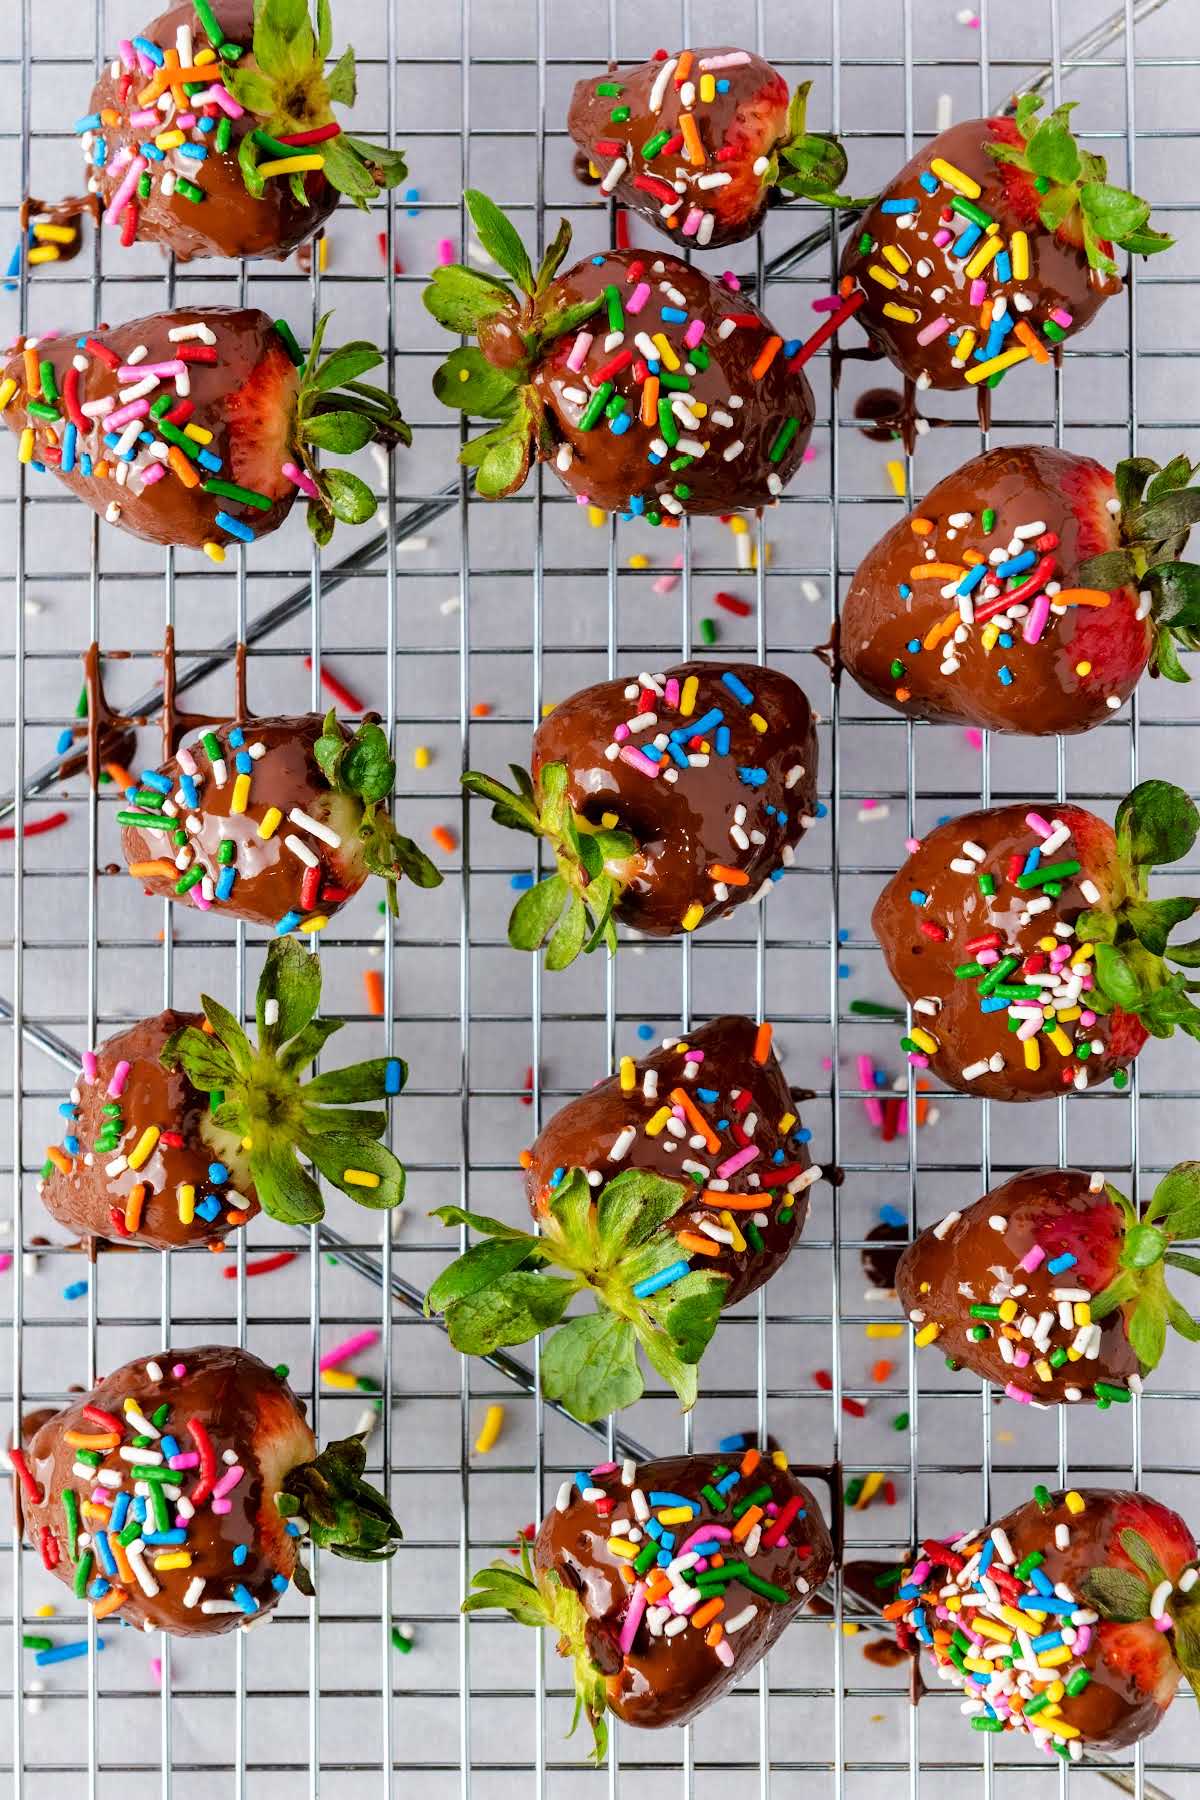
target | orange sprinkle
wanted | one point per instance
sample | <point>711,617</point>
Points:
<point>746,1523</point>
<point>444,838</point>
<point>704,1615</point>
<point>100,470</point>
<point>714,1635</point>
<point>108,1603</point>
<point>985,316</point>
<point>732,877</point>
<point>182,467</point>
<point>696,1119</point>
<point>903,694</point>
<point>133,1206</point>
<point>526,1159</point>
<point>1031,341</point>
<point>750,1462</point>
<point>143,870</point>
<point>650,400</point>
<point>110,116</point>
<point>766,357</point>
<point>881,1370</point>
<point>481,709</point>
<point>373,983</point>
<point>682,67</point>
<point>922,527</point>
<point>207,1025</point>
<point>699,1246</point>
<point>846,285</point>
<point>90,1510</point>
<point>762,1043</point>
<point>120,778</point>
<point>895,1609</point>
<point>92,1440</point>
<point>657,1585</point>
<point>60,1159</point>
<point>1082,597</point>
<point>691,140</point>
<point>734,1202</point>
<point>971,557</point>
<point>936,571</point>
<point>942,629</point>
<point>33,375</point>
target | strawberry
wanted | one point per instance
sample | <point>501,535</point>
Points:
<point>699,143</point>
<point>245,158</point>
<point>662,826</point>
<point>302,804</point>
<point>180,1128</point>
<point>991,247</point>
<point>1053,1285</point>
<point>665,1581</point>
<point>1029,948</point>
<point>671,1191</point>
<point>1091,560</point>
<point>1106,1581</point>
<point>200,428</point>
<point>654,391</point>
<point>203,1531</point>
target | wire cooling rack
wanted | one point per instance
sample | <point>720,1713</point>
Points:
<point>448,605</point>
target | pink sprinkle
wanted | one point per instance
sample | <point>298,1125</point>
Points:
<point>187,762</point>
<point>974,737</point>
<point>1163,1623</point>
<point>866,1079</point>
<point>120,1076</point>
<point>179,1371</point>
<point>362,1340</point>
<point>146,115</point>
<point>691,224</point>
<point>694,333</point>
<point>302,480</point>
<point>124,415</point>
<point>579,350</point>
<point>124,192</point>
<point>220,96</point>
<point>1087,1020</point>
<point>151,473</point>
<point>144,64</point>
<point>979,288</point>
<point>187,1459</point>
<point>1016,1393</point>
<point>5,1261</point>
<point>89,1065</point>
<point>827,303</point>
<point>934,329</point>
<point>608,1468</point>
<point>731,281</point>
<point>136,371</point>
<point>810,454</point>
<point>732,1164</point>
<point>724,1652</point>
<point>1036,823</point>
<point>222,1506</point>
<point>666,583</point>
<point>912,845</point>
<point>128,53</point>
<point>101,1497</point>
<point>671,693</point>
<point>185,120</point>
<point>1035,623</point>
<point>229,1481</point>
<point>445,251</point>
<point>1061,316</point>
<point>918,1060</point>
<point>1021,1359</point>
<point>942,238</point>
<point>987,957</point>
<point>638,298</point>
<point>919,1573</point>
<point>156,1668</point>
<point>633,1619</point>
<point>1033,1024</point>
<point>1032,1259</point>
<point>637,760</point>
<point>198,899</point>
<point>621,732</point>
<point>1083,1637</point>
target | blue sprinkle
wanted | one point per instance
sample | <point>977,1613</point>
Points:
<point>240,1554</point>
<point>709,1096</point>
<point>191,793</point>
<point>674,315</point>
<point>1045,1603</point>
<point>723,85</point>
<point>66,738</point>
<point>1032,860</point>
<point>928,182</point>
<point>206,124</point>
<point>90,123</point>
<point>739,1440</point>
<point>698,727</point>
<point>169,1446</point>
<point>645,1032</point>
<point>245,1598</point>
<point>654,366</point>
<point>620,425</point>
<point>992,1004</point>
<point>891,1215</point>
<point>217,1172</point>
<point>393,1075</point>
<point>597,262</point>
<point>971,579</point>
<point>206,459</point>
<point>237,737</point>
<point>985,1559</point>
<point>70,436</point>
<point>722,1124</point>
<point>667,1540</point>
<point>822,810</point>
<point>520,882</point>
<point>663,1559</point>
<point>120,1509</point>
<point>914,644</point>
<point>279,1583</point>
<point>1005,674</point>
<point>100,154</point>
<point>728,1481</point>
<point>843,934</point>
<point>1017,564</point>
<point>289,922</point>
<point>879,1077</point>
<point>71,1145</point>
<point>777,874</point>
<point>843,971</point>
<point>803,1136</point>
<point>1049,1640</point>
<point>209,1208</point>
<point>244,763</point>
<point>966,241</point>
<point>139,1508</point>
<point>722,743</point>
<point>754,778</point>
<point>673,1272</point>
<point>705,1549</point>
<point>778,1157</point>
<point>1003,268</point>
<point>898,206</point>
<point>1005,640</point>
<point>75,1290</point>
<point>663,1497</point>
<point>150,50</point>
<point>85,464</point>
<point>413,212</point>
<point>654,1529</point>
<point>791,347</point>
<point>196,152</point>
<point>1059,1263</point>
<point>737,688</point>
<point>152,779</point>
<point>235,528</point>
<point>65,1652</point>
<point>176,1536</point>
<point>557,1176</point>
<point>108,1561</point>
<point>637,505</point>
<point>918,896</point>
<point>292,1529</point>
<point>652,458</point>
<point>225,881</point>
<point>677,755</point>
<point>67,1110</point>
<point>153,152</point>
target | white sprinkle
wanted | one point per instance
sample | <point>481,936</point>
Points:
<point>145,1579</point>
<point>614,175</point>
<point>717,181</point>
<point>660,84</point>
<point>299,848</point>
<point>1185,1584</point>
<point>974,1070</point>
<point>947,1224</point>
<point>564,1497</point>
<point>998,1223</point>
<point>735,449</point>
<point>622,1144</point>
<point>318,830</point>
<point>1159,1598</point>
<point>1004,1549</point>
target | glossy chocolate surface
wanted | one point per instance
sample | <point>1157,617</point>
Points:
<point>924,282</point>
<point>165,510</point>
<point>880,1258</point>
<point>729,442</point>
<point>228,221</point>
<point>1046,1214</point>
<point>243,1407</point>
<point>724,1085</point>
<point>684,827</point>
<point>925,940</point>
<point>742,120</point>
<point>148,1098</point>
<point>270,871</point>
<point>666,1680</point>
<point>1023,669</point>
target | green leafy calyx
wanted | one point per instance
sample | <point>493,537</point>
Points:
<point>572,910</point>
<point>1158,507</point>
<point>539,1597</point>
<point>360,764</point>
<point>809,165</point>
<point>257,1094</point>
<point>285,84</point>
<point>337,411</point>
<point>1076,196</point>
<point>515,322</point>
<point>1140,1288</point>
<point>1124,1596</point>
<point>499,1292</point>
<point>1155,824</point>
<point>343,1512</point>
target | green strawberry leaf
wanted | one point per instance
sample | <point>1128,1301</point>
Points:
<point>1139,1553</point>
<point>457,1215</point>
<point>505,465</point>
<point>1165,657</point>
<point>536,913</point>
<point>468,381</point>
<point>291,977</point>
<point>350,499</point>
<point>1117,1594</point>
<point>1157,823</point>
<point>230,1033</point>
<point>256,92</point>
<point>692,1311</point>
<point>1176,590</point>
<point>1051,148</point>
<point>1130,478</point>
<point>1176,1201</point>
<point>1147,1328</point>
<point>1179,1259</point>
<point>1144,1245</point>
<point>285,1191</point>
<point>1110,570</point>
<point>660,1353</point>
<point>517,1595</point>
<point>361,1081</point>
<point>552,259</point>
<point>340,1156</point>
<point>572,1225</point>
<point>284,45</point>
<point>500,239</point>
<point>590,1366</point>
<point>1147,242</point>
<point>511,1310</point>
<point>1154,920</point>
<point>567,939</point>
<point>354,1121</point>
<point>388,167</point>
<point>461,299</point>
<point>1111,211</point>
<point>1175,512</point>
<point>1180,1320</point>
<point>478,1268</point>
<point>633,1207</point>
<point>1117,978</point>
<point>1120,1290</point>
<point>341,432</point>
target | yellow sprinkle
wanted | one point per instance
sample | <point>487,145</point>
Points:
<point>758,722</point>
<point>870,1487</point>
<point>269,824</point>
<point>596,515</point>
<point>25,446</point>
<point>896,257</point>
<point>989,1628</point>
<point>1061,1041</point>
<point>1084,954</point>
<point>1042,1369</point>
<point>687,700</point>
<point>990,635</point>
<point>322,253</point>
<point>197,433</point>
<point>927,1334</point>
<point>850,1629</point>
<point>674,1515</point>
<point>669,358</point>
<point>548,707</point>
<point>786,1123</point>
<point>1083,668</point>
<point>360,1178</point>
<point>214,552</point>
<point>1058,1727</point>
<point>964,346</point>
<point>1056,1690</point>
<point>291,165</point>
<point>979,1664</point>
<point>896,476</point>
<point>1033,1053</point>
<point>185,1199</point>
<point>317,923</point>
<point>8,388</point>
<point>1052,1659</point>
<point>176,1559</point>
<point>1018,1620</point>
<point>884,277</point>
<point>976,264</point>
<point>730,1223</point>
<point>962,184</point>
<point>905,314</point>
<point>994,364</point>
<point>1075,1502</point>
<point>168,140</point>
<point>45,1612</point>
<point>623,1547</point>
<point>595,173</point>
<point>145,1144</point>
<point>655,1124</point>
<point>738,526</point>
<point>608,821</point>
<point>692,916</point>
<point>639,561</point>
<point>1019,246</point>
<point>44,253</point>
<point>54,234</point>
<point>241,793</point>
<point>628,1075</point>
<point>339,1378</point>
<point>206,55</point>
<point>421,757</point>
<point>884,1331</point>
<point>924,1040</point>
<point>708,87</point>
<point>1082,1312</point>
<point>493,1419</point>
<point>1067,1013</point>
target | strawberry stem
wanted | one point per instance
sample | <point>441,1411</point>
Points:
<point>1139,1289</point>
<point>809,165</point>
<point>1158,507</point>
<point>337,411</point>
<point>344,1513</point>
<point>360,763</point>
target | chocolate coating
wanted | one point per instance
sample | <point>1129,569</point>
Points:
<point>1134,1675</point>
<point>1088,657</point>
<point>166,511</point>
<point>229,221</point>
<point>683,827</point>
<point>934,284</point>
<point>582,1134</point>
<point>957,912</point>
<point>735,128</point>
<point>614,471</point>
<point>243,1406</point>
<point>152,1096</point>
<point>881,1258</point>
<point>971,1263</point>
<point>668,1680</point>
<point>270,872</point>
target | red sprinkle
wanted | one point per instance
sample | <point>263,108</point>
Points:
<point>34,827</point>
<point>740,608</point>
<point>823,1379</point>
<point>527,1096</point>
<point>673,143</point>
<point>780,1523</point>
<point>49,1548</point>
<point>107,1421</point>
<point>1048,541</point>
<point>381,240</point>
<point>650,184</point>
<point>206,1480</point>
<point>338,689</point>
<point>32,1492</point>
<point>317,135</point>
<point>129,224</point>
<point>1032,584</point>
<point>180,413</point>
<point>171,1140</point>
<point>103,352</point>
<point>855,1408</point>
<point>634,272</point>
<point>621,229</point>
<point>116,1219</point>
<point>1016,863</point>
<point>826,330</point>
<point>309,884</point>
<point>991,940</point>
<point>613,366</point>
<point>608,147</point>
<point>889,1492</point>
<point>201,353</point>
<point>891,1120</point>
<point>931,929</point>
<point>335,895</point>
<point>71,399</point>
<point>265,1266</point>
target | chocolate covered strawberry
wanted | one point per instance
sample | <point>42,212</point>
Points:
<point>670,1191</point>
<point>200,428</point>
<point>178,1129</point>
<point>278,821</point>
<point>700,142</point>
<point>1053,1286</point>
<point>992,246</point>
<point>1027,944</point>
<point>179,1493</point>
<point>653,391</point>
<point>667,801</point>
<point>1028,592</point>
<point>665,1581</point>
<point>1071,1619</point>
<point>213,134</point>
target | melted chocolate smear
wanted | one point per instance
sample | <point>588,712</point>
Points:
<point>105,726</point>
<point>878,408</point>
<point>880,1264</point>
<point>62,212</point>
<point>581,168</point>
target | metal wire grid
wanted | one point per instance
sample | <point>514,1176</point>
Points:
<point>812,1702</point>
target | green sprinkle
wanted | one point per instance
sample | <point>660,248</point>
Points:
<point>288,335</point>
<point>224,133</point>
<point>653,145</point>
<point>864,243</point>
<point>708,631</point>
<point>610,90</point>
<point>981,1722</point>
<point>49,383</point>
<point>667,424</point>
<point>41,409</point>
<point>212,746</point>
<point>1077,1681</point>
<point>680,384</point>
<point>997,973</point>
<point>1120,1078</point>
<point>1036,1705</point>
<point>978,1333</point>
<point>897,669</point>
<point>161,1414</point>
<point>231,52</point>
<point>767,1589</point>
<point>208,20</point>
<point>83,1574</point>
<point>226,851</point>
<point>1058,1358</point>
<point>989,518</point>
<point>162,405</point>
<point>969,210</point>
<point>265,141</point>
<point>987,885</point>
<point>1056,872</point>
<point>716,1500</point>
<point>111,1111</point>
<point>682,491</point>
<point>616,406</point>
<point>229,490</point>
<point>173,435</point>
<point>70,1506</point>
<point>968,971</point>
<point>36,1643</point>
<point>91,1457</point>
<point>619,114</point>
<point>595,406</point>
<point>985,1311</point>
<point>188,189</point>
<point>138,818</point>
<point>143,186</point>
<point>1054,331</point>
<point>1034,1560</point>
<point>646,1557</point>
<point>853,1490</point>
<point>888,1578</point>
<point>778,448</point>
<point>189,879</point>
<point>784,1215</point>
<point>1042,184</point>
<point>759,1497</point>
<point>875,1009</point>
<point>400,1642</point>
<point>1106,1391</point>
<point>131,1533</point>
<point>754,1238</point>
<point>698,357</point>
<point>616,312</point>
<point>281,1369</point>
